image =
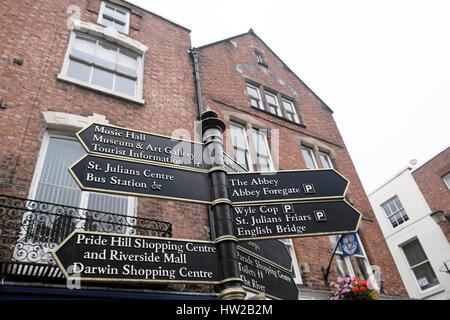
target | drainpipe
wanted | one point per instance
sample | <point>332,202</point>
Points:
<point>195,53</point>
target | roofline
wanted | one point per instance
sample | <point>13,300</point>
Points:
<point>432,158</point>
<point>389,180</point>
<point>251,32</point>
<point>157,15</point>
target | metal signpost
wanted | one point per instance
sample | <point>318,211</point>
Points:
<point>245,207</point>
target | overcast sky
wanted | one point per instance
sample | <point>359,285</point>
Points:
<point>382,66</point>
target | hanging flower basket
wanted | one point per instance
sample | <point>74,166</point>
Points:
<point>352,289</point>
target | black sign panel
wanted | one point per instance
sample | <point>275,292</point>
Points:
<point>143,146</point>
<point>94,256</point>
<point>287,185</point>
<point>289,220</point>
<point>273,250</point>
<point>259,275</point>
<point>104,174</point>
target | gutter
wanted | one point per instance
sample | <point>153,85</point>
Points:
<point>195,53</point>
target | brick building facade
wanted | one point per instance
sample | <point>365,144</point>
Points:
<point>62,68</point>
<point>433,179</point>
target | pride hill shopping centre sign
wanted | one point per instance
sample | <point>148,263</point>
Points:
<point>95,256</point>
<point>263,205</point>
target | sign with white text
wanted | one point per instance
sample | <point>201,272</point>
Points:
<point>104,174</point>
<point>286,185</point>
<point>260,275</point>
<point>94,256</point>
<point>294,219</point>
<point>120,142</point>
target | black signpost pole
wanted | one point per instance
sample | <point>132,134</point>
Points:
<point>226,242</point>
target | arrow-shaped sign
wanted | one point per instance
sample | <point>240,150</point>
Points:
<point>95,256</point>
<point>104,174</point>
<point>121,142</point>
<point>260,275</point>
<point>274,251</point>
<point>286,185</point>
<point>295,219</point>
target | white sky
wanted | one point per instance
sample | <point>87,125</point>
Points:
<point>382,66</point>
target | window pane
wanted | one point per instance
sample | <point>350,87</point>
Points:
<point>325,160</point>
<point>398,203</point>
<point>79,70</point>
<point>414,253</point>
<point>264,163</point>
<point>392,206</point>
<point>252,92</point>
<point>288,106</point>
<point>386,209</point>
<point>106,55</point>
<point>109,10</point>
<point>425,276</point>
<point>120,26</point>
<point>237,136</point>
<point>271,99</point>
<point>84,48</point>
<point>56,185</point>
<point>273,109</point>
<point>260,142</point>
<point>127,63</point>
<point>102,78</point>
<point>125,85</point>
<point>308,157</point>
<point>241,157</point>
<point>107,21</point>
<point>254,103</point>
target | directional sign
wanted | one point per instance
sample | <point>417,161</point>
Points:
<point>286,185</point>
<point>273,250</point>
<point>294,219</point>
<point>104,174</point>
<point>138,145</point>
<point>259,275</point>
<point>94,256</point>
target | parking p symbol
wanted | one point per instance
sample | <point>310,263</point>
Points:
<point>309,188</point>
<point>288,208</point>
<point>320,215</point>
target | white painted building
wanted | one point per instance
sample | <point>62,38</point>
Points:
<point>416,241</point>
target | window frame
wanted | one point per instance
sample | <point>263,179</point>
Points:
<point>84,197</point>
<point>48,135</point>
<point>268,156</point>
<point>257,99</point>
<point>310,151</point>
<point>388,216</point>
<point>119,41</point>
<point>435,282</point>
<point>101,14</point>
<point>289,112</point>
<point>269,104</point>
<point>245,149</point>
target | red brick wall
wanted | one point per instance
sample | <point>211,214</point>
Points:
<point>429,179</point>
<point>37,33</point>
<point>224,69</point>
